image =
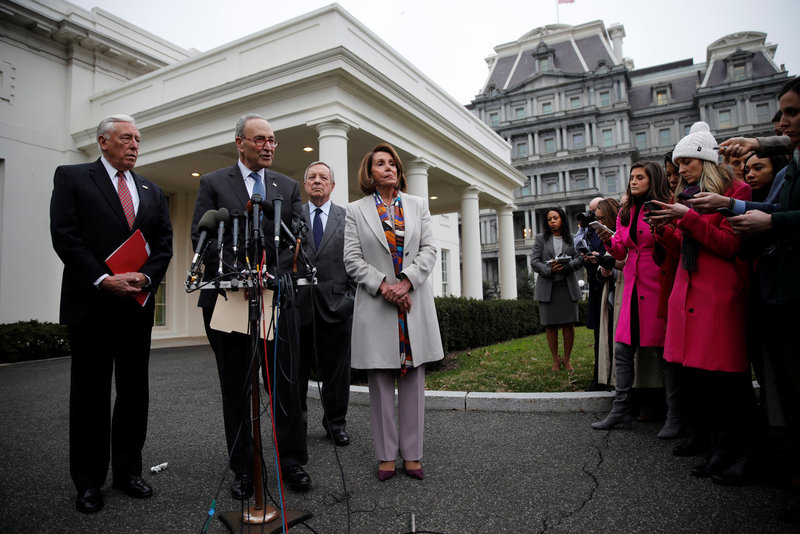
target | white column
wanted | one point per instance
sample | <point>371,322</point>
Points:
<point>417,177</point>
<point>332,140</point>
<point>505,258</point>
<point>566,181</point>
<point>470,244</point>
<point>535,143</point>
<point>587,139</point>
<point>538,184</point>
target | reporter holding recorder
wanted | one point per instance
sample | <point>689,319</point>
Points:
<point>557,289</point>
<point>639,325</point>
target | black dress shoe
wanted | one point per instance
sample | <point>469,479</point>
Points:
<point>339,437</point>
<point>716,463</point>
<point>297,478</point>
<point>89,501</point>
<point>134,486</point>
<point>694,445</point>
<point>740,473</point>
<point>242,488</point>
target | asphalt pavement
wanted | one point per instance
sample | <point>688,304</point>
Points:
<point>488,468</point>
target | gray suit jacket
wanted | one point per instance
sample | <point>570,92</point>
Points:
<point>335,290</point>
<point>542,251</point>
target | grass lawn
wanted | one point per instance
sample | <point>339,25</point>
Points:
<point>520,365</point>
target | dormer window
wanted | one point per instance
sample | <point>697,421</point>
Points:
<point>545,58</point>
<point>661,94</point>
<point>739,65</point>
<point>491,90</point>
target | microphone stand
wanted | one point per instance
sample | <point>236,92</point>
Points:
<point>254,519</point>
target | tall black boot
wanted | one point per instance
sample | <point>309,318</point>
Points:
<point>620,413</point>
<point>672,425</point>
<point>720,457</point>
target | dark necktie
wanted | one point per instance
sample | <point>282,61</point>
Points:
<point>125,198</point>
<point>258,186</point>
<point>317,227</point>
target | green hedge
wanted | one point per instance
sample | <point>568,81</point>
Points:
<point>32,340</point>
<point>466,323</point>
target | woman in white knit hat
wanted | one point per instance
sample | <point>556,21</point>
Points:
<point>707,306</point>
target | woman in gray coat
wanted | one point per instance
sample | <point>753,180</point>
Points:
<point>555,261</point>
<point>389,251</point>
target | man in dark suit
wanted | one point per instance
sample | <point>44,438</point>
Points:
<point>326,310</point>
<point>232,188</point>
<point>95,208</point>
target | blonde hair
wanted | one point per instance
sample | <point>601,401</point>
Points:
<point>715,179</point>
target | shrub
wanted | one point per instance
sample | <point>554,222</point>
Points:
<point>467,323</point>
<point>32,340</point>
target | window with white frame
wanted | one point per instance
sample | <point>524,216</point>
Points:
<point>724,119</point>
<point>574,102</point>
<point>494,119</point>
<point>549,145</point>
<point>546,107</point>
<point>580,180</point>
<point>664,137</point>
<point>763,114</point>
<point>641,140</point>
<point>550,182</point>
<point>661,97</point>
<point>607,136</point>
<point>605,98</point>
<point>577,140</point>
<point>611,182</point>
<point>522,149</point>
<point>519,113</point>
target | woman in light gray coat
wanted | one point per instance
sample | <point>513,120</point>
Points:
<point>389,251</point>
<point>556,261</point>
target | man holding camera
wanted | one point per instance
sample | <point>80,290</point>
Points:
<point>591,248</point>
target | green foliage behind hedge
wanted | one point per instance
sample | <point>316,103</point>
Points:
<point>465,323</point>
<point>32,340</point>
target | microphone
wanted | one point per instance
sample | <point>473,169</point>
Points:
<point>223,217</point>
<point>205,225</point>
<point>277,202</point>
<point>253,206</point>
<point>236,215</point>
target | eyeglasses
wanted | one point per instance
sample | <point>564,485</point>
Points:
<point>260,142</point>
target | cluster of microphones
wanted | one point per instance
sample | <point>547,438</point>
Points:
<point>224,220</point>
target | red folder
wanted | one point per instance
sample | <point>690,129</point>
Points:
<point>129,258</point>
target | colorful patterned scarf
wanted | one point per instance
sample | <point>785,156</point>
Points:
<point>395,236</point>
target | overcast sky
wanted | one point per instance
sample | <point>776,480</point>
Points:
<point>448,41</point>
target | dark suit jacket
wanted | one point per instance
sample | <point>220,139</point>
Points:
<point>335,291</point>
<point>87,224</point>
<point>225,188</point>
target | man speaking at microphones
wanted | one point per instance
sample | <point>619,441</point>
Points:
<point>103,214</point>
<point>232,189</point>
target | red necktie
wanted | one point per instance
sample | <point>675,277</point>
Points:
<point>125,199</point>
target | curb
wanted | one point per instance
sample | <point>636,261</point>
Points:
<point>579,401</point>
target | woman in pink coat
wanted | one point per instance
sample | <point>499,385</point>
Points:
<point>707,307</point>
<point>638,324</point>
